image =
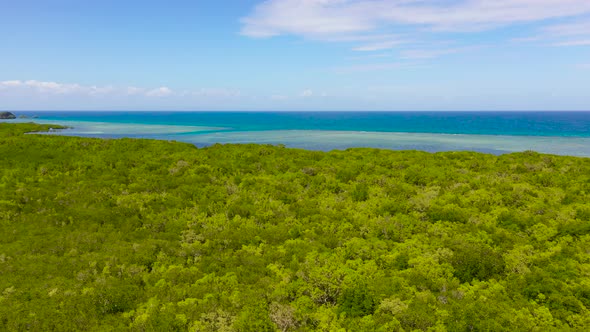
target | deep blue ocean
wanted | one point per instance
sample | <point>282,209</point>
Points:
<point>566,133</point>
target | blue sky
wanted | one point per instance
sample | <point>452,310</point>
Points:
<point>295,55</point>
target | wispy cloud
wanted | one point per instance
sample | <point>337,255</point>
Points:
<point>578,28</point>
<point>49,88</point>
<point>431,53</point>
<point>36,94</point>
<point>531,39</point>
<point>379,45</point>
<point>569,34</point>
<point>357,20</point>
<point>217,93</point>
<point>580,42</point>
<point>573,33</point>
<point>426,54</point>
<point>132,91</point>
<point>306,93</point>
<point>370,67</point>
<point>10,84</point>
<point>55,88</point>
<point>159,92</point>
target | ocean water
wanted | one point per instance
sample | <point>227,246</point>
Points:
<point>563,133</point>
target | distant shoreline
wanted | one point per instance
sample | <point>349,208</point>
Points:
<point>552,133</point>
<point>332,140</point>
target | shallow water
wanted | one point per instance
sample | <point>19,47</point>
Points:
<point>207,129</point>
<point>329,140</point>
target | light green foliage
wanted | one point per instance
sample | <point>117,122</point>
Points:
<point>140,235</point>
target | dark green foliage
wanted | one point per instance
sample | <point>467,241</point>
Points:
<point>360,193</point>
<point>9,129</point>
<point>583,213</point>
<point>141,235</point>
<point>7,115</point>
<point>476,261</point>
<point>254,318</point>
<point>357,301</point>
<point>449,212</point>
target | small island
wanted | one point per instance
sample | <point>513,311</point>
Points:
<point>7,116</point>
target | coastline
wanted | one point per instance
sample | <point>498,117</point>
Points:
<point>326,140</point>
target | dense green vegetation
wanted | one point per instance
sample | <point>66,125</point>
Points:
<point>147,235</point>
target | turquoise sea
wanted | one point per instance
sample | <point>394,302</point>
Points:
<point>564,133</point>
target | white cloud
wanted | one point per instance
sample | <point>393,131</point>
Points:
<point>324,17</point>
<point>307,17</point>
<point>34,94</point>
<point>575,33</point>
<point>359,20</point>
<point>132,91</point>
<point>101,90</point>
<point>9,84</point>
<point>48,95</point>
<point>55,88</point>
<point>159,92</point>
<point>217,93</point>
<point>526,39</point>
<point>379,46</point>
<point>33,87</point>
<point>581,42</point>
<point>569,29</point>
<point>306,93</point>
